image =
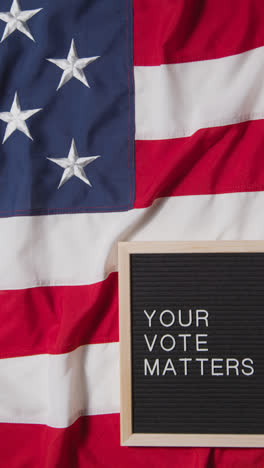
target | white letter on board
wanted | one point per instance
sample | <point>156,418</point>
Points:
<point>173,342</point>
<point>199,342</point>
<point>150,316</point>
<point>148,368</point>
<point>184,340</point>
<point>190,319</point>
<point>150,346</point>
<point>172,318</point>
<point>201,314</point>
<point>202,360</point>
<point>185,360</point>
<point>229,365</point>
<point>251,372</point>
<point>169,367</point>
<point>215,366</point>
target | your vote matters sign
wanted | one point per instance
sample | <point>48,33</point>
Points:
<point>192,343</point>
<point>183,340</point>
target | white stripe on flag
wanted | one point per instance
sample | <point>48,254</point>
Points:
<point>176,100</point>
<point>82,248</point>
<point>56,389</point>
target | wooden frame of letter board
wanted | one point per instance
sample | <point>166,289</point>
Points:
<point>128,438</point>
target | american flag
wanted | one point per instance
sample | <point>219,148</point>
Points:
<point>119,120</point>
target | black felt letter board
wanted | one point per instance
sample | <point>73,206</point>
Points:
<point>226,396</point>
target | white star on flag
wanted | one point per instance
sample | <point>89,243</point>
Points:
<point>73,66</point>
<point>16,19</point>
<point>16,118</point>
<point>73,165</point>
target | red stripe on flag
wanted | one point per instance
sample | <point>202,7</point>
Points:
<point>214,160</point>
<point>58,319</point>
<point>171,31</point>
<point>94,442</point>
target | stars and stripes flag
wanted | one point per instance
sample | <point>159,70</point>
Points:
<point>119,120</point>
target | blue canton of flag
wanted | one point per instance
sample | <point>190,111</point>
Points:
<point>66,107</point>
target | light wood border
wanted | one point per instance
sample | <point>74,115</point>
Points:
<point>128,438</point>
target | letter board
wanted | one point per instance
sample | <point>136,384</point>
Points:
<point>192,343</point>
